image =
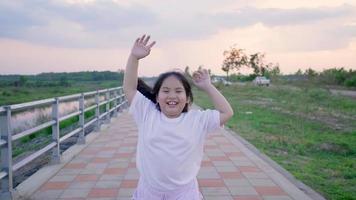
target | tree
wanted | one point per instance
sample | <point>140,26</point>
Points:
<point>22,81</point>
<point>273,69</point>
<point>310,73</point>
<point>64,81</point>
<point>299,72</point>
<point>256,63</point>
<point>234,59</point>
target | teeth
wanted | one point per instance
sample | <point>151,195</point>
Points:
<point>172,103</point>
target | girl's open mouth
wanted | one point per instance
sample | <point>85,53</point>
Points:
<point>172,103</point>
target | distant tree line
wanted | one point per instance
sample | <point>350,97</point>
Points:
<point>332,76</point>
<point>235,59</point>
<point>59,79</point>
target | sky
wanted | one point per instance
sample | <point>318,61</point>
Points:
<point>86,35</point>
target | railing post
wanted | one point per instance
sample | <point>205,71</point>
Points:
<point>126,105</point>
<point>121,100</point>
<point>97,112</point>
<point>6,154</point>
<point>107,107</point>
<point>81,138</point>
<point>56,157</point>
<point>115,102</point>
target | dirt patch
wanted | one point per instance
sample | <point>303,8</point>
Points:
<point>334,121</point>
<point>259,101</point>
<point>335,148</point>
<point>348,93</point>
<point>279,152</point>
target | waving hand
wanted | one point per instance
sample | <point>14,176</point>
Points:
<point>140,48</point>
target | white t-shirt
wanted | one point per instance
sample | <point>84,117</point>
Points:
<point>170,150</point>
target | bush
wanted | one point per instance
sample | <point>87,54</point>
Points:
<point>243,78</point>
<point>6,93</point>
<point>351,82</point>
<point>339,76</point>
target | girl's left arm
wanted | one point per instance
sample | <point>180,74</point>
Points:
<point>201,79</point>
<point>220,104</point>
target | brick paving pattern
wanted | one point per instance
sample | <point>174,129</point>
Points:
<point>106,170</point>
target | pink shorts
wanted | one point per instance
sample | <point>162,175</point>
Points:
<point>188,192</point>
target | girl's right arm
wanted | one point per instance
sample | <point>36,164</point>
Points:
<point>139,50</point>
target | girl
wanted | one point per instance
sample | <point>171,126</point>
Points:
<point>171,137</point>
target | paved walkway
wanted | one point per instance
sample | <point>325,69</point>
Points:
<point>106,169</point>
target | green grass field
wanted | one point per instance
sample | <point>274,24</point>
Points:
<point>309,132</point>
<point>13,95</point>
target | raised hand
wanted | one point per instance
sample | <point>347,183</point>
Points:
<point>140,48</point>
<point>201,79</point>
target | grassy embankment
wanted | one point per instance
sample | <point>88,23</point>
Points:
<point>309,132</point>
<point>14,95</point>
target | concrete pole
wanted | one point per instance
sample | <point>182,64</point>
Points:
<point>81,138</point>
<point>115,102</point>
<point>107,107</point>
<point>97,112</point>
<point>56,154</point>
<point>6,154</point>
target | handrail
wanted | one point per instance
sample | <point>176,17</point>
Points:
<point>69,97</point>
<point>102,91</point>
<point>7,168</point>
<point>23,106</point>
<point>2,174</point>
<point>102,115</point>
<point>2,142</point>
<point>68,135</point>
<point>69,116</point>
<point>33,156</point>
<point>104,102</point>
<point>32,130</point>
<point>90,123</point>
<point>112,109</point>
<point>89,93</point>
<point>90,108</point>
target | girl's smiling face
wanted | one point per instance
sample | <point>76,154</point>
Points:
<point>172,97</point>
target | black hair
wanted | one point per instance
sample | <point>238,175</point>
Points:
<point>152,93</point>
<point>145,90</point>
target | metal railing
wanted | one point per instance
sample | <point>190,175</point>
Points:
<point>113,96</point>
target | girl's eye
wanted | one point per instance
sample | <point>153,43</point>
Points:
<point>179,91</point>
<point>165,91</point>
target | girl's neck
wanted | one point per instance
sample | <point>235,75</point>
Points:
<point>166,118</point>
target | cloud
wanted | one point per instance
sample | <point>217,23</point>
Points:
<point>113,24</point>
<point>272,17</point>
<point>54,22</point>
<point>298,29</point>
<point>14,18</point>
